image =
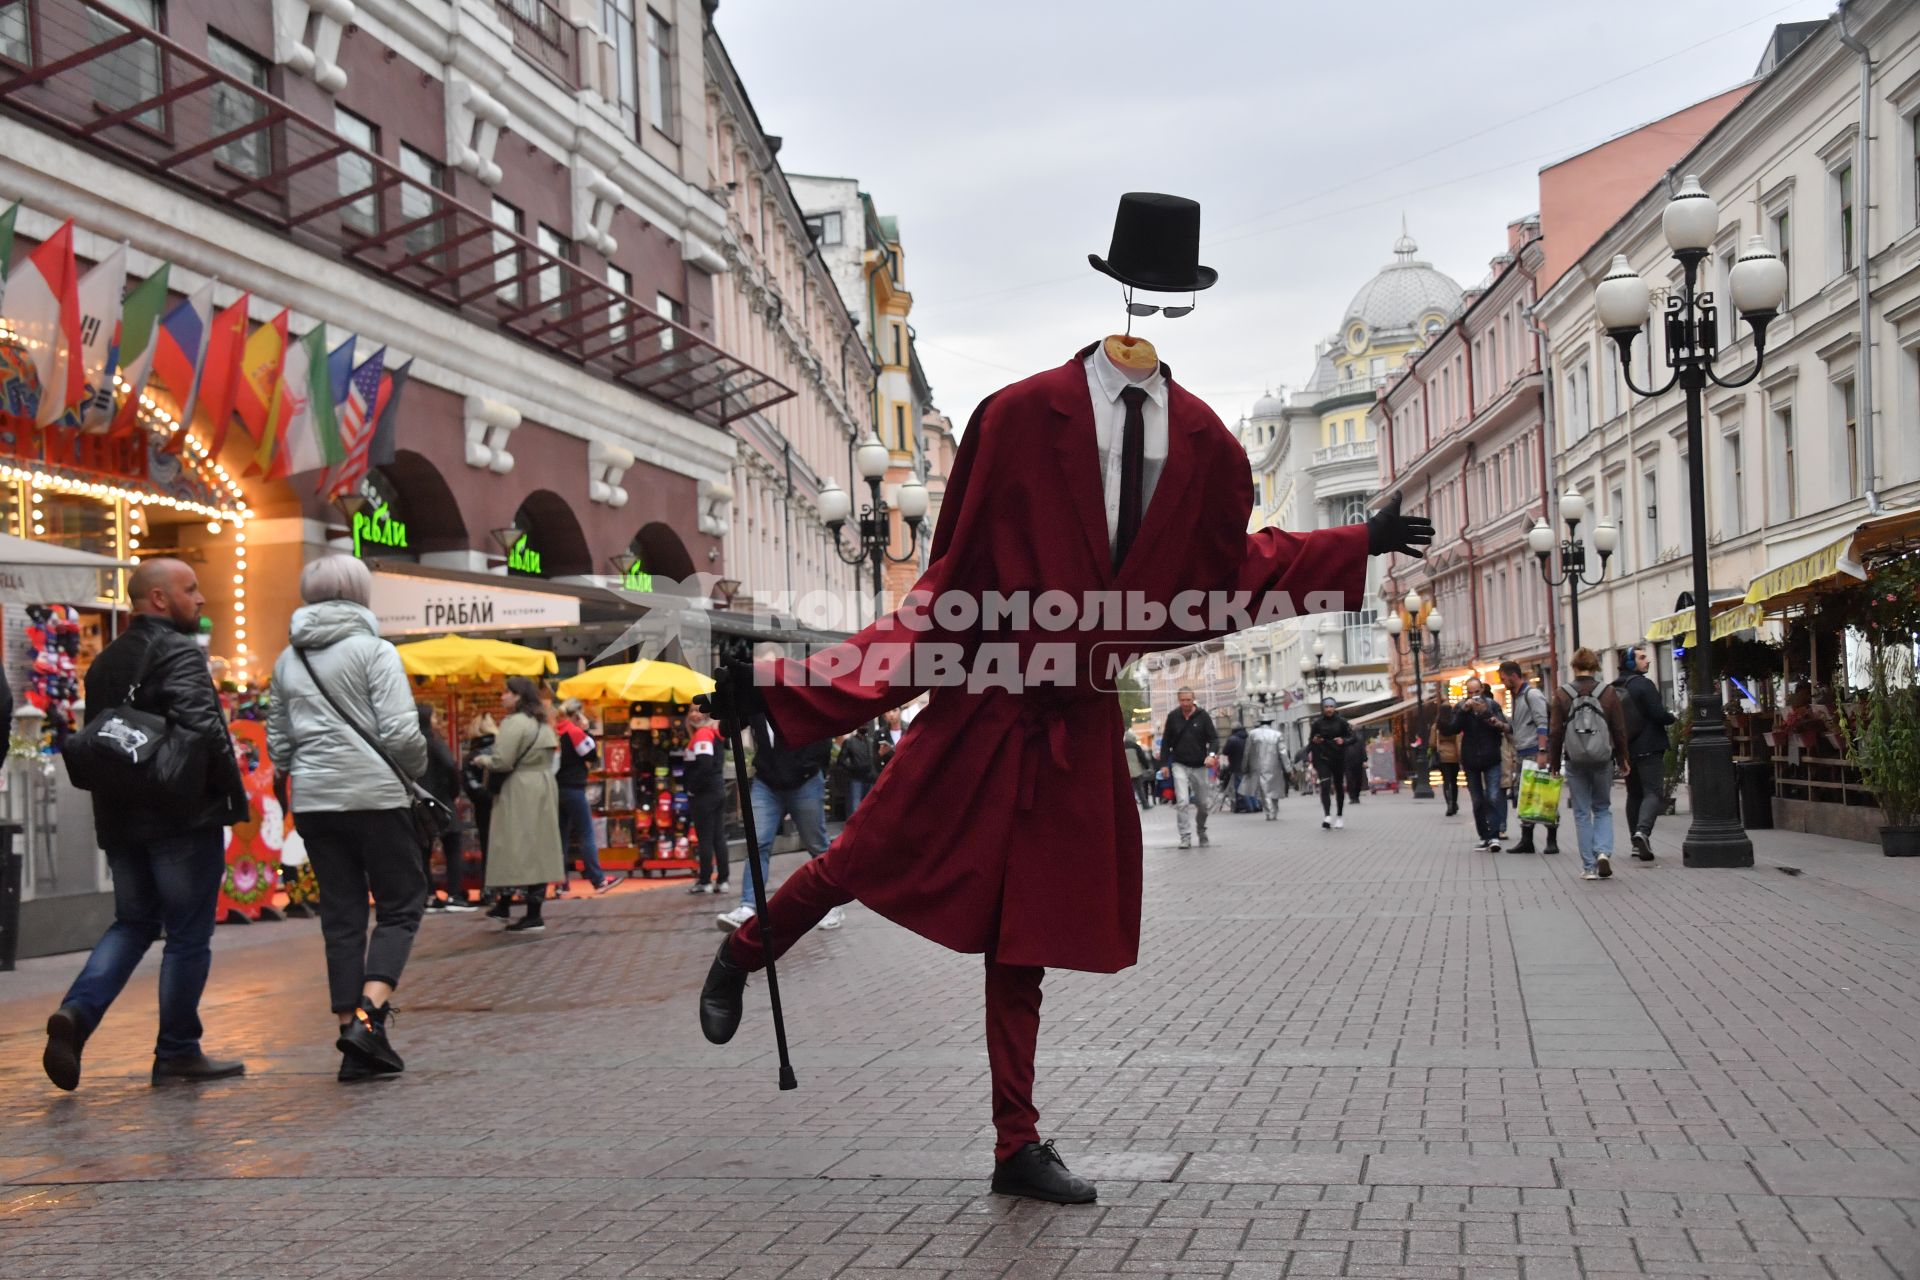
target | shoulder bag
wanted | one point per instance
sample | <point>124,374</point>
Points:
<point>428,816</point>
<point>139,755</point>
<point>497,778</point>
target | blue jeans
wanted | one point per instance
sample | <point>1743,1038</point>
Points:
<point>576,824</point>
<point>807,803</point>
<point>1489,799</point>
<point>1590,792</point>
<point>173,884</point>
<point>856,792</point>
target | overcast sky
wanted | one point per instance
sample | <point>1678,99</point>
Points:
<point>1001,135</point>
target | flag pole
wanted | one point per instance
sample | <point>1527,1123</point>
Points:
<point>736,739</point>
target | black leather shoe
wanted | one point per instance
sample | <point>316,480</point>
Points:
<point>353,1068</point>
<point>720,998</point>
<point>195,1066</point>
<point>66,1036</point>
<point>365,1037</point>
<point>1037,1172</point>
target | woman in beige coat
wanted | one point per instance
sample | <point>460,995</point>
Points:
<point>523,840</point>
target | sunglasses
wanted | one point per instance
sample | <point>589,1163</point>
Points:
<point>1147,308</point>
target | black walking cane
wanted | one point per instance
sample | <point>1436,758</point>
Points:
<point>725,681</point>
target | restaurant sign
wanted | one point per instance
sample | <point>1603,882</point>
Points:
<point>411,606</point>
<point>523,559</point>
<point>374,526</point>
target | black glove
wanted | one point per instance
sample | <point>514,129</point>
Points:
<point>1388,530</point>
<point>735,701</point>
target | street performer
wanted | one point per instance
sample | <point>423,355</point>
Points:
<point>1096,512</point>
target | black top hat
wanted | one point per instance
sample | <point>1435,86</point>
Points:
<point>1156,245</point>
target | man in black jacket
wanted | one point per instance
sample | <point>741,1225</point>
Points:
<point>787,779</point>
<point>1188,745</point>
<point>1647,721</point>
<point>167,860</point>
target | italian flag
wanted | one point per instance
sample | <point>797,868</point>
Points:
<point>139,338</point>
<point>43,309</point>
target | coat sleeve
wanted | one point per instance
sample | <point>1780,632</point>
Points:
<point>396,719</point>
<point>194,705</point>
<point>879,669</point>
<point>1557,726</point>
<point>280,719</point>
<point>1617,722</point>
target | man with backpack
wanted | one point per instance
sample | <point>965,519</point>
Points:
<point>1647,720</point>
<point>1528,727</point>
<point>1587,744</point>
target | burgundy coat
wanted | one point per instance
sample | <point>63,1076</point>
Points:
<point>1006,822</point>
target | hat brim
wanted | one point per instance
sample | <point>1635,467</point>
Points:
<point>1203,278</point>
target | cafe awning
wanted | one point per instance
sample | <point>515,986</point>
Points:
<point>473,658</point>
<point>1844,558</point>
<point>1385,713</point>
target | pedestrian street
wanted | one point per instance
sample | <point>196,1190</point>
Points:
<point>1374,1051</point>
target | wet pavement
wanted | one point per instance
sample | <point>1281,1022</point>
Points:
<point>1368,1052</point>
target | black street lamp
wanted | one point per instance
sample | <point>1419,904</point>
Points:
<point>1759,285</point>
<point>875,540</point>
<point>1394,626</point>
<point>1573,551</point>
<point>1320,667</point>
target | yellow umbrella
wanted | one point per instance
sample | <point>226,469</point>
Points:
<point>650,681</point>
<point>461,656</point>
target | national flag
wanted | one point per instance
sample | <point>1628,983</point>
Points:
<point>339,373</point>
<point>386,427</point>
<point>100,295</point>
<point>260,364</point>
<point>138,341</point>
<point>6,243</point>
<point>43,309</point>
<point>180,351</point>
<point>220,374</point>
<point>358,414</point>
<point>313,428</point>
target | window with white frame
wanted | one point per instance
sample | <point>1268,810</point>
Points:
<point>354,172</point>
<point>618,313</point>
<point>1617,512</point>
<point>1353,508</point>
<point>507,252</point>
<point>669,309</point>
<point>1728,318</point>
<point>1611,401</point>
<point>1650,515</point>
<point>131,74</point>
<point>1733,478</point>
<point>1579,401</point>
<point>1846,403</point>
<point>1685,526</point>
<point>617,23</point>
<point>418,201</point>
<point>231,107</point>
<point>16,33</point>
<point>825,228</point>
<point>660,79</point>
<point>1843,216</point>
<point>1780,232</point>
<point>551,281</point>
<point>1913,162</point>
<point>1785,459</point>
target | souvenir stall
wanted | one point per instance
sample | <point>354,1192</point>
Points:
<point>464,676</point>
<point>639,795</point>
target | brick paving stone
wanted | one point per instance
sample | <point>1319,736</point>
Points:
<point>1385,1055</point>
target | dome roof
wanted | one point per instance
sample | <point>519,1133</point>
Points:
<point>1402,292</point>
<point>1269,406</point>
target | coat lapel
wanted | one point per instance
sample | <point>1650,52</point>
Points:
<point>1079,460</point>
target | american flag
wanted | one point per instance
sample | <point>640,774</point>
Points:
<point>357,417</point>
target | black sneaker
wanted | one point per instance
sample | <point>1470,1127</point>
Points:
<point>699,888</point>
<point>501,910</point>
<point>1037,1172</point>
<point>1642,847</point>
<point>365,1037</point>
<point>353,1068</point>
<point>436,904</point>
<point>527,924</point>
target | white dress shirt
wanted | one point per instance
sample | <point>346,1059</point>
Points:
<point>1105,382</point>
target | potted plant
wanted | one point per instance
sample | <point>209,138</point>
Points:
<point>1676,759</point>
<point>1882,735</point>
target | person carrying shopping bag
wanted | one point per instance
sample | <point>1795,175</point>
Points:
<point>1587,743</point>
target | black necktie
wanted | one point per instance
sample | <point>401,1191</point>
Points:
<point>1133,457</point>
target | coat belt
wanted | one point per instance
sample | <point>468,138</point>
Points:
<point>1040,722</point>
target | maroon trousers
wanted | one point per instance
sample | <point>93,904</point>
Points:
<point>1013,996</point>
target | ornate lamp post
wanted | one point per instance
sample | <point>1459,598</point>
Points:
<point>1573,551</point>
<point>874,543</point>
<point>1759,284</point>
<point>1394,626</point>
<point>1320,667</point>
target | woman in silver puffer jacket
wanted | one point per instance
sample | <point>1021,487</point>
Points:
<point>335,686</point>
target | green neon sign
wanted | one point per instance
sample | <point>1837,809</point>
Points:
<point>637,578</point>
<point>523,558</point>
<point>376,527</point>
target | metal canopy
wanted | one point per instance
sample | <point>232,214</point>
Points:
<point>121,88</point>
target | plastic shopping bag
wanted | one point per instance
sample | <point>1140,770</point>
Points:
<point>1539,795</point>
